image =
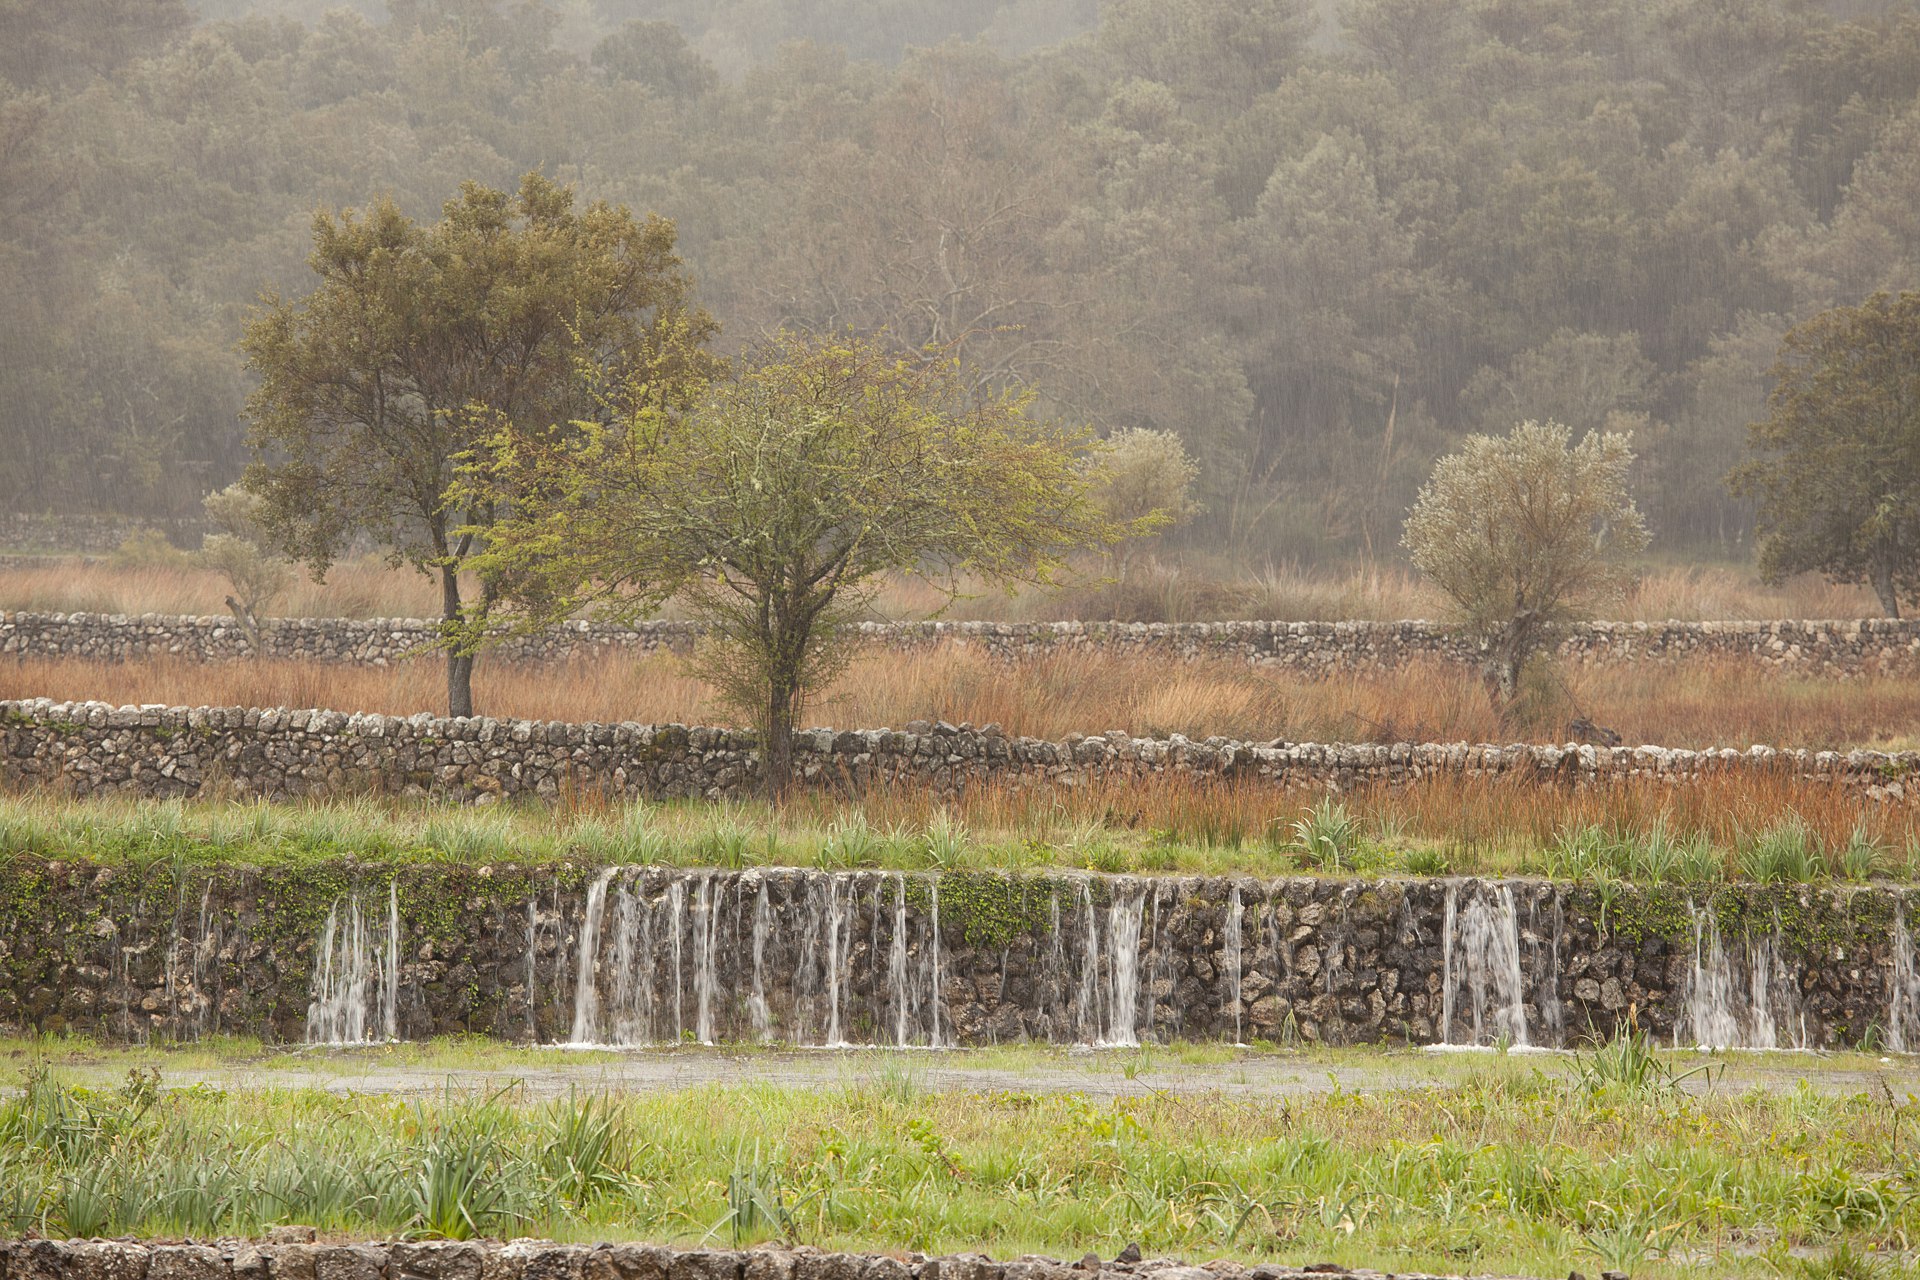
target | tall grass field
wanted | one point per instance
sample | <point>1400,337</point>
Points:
<point>1606,1162</point>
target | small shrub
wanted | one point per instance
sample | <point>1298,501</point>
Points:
<point>1631,1065</point>
<point>455,1184</point>
<point>1575,853</point>
<point>1863,856</point>
<point>756,1208</point>
<point>728,845</point>
<point>851,842</point>
<point>1843,1263</point>
<point>944,842</point>
<point>1783,853</point>
<point>1699,862</point>
<point>1326,837</point>
<point>1427,862</point>
<point>633,838</point>
<point>582,1153</point>
<point>148,548</point>
<point>22,1196</point>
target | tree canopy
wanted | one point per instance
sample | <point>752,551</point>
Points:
<point>417,338</point>
<point>1838,466</point>
<point>1322,243</point>
<point>1525,533</point>
<point>772,504</point>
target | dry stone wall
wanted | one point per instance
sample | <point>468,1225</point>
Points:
<point>87,534</point>
<point>1830,648</point>
<point>345,952</point>
<point>293,1255</point>
<point>87,748</point>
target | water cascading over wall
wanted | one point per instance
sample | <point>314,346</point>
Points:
<point>647,955</point>
<point>356,976</point>
<point>664,957</point>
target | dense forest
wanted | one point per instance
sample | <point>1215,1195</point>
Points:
<point>1320,241</point>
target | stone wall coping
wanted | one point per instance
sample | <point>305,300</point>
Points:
<point>292,1252</point>
<point>962,627</point>
<point>1838,648</point>
<point>923,737</point>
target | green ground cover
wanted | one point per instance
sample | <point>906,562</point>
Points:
<point>1493,1164</point>
<point>1325,837</point>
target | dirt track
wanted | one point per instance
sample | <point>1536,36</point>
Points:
<point>547,1073</point>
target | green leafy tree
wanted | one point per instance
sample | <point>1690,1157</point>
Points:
<point>240,550</point>
<point>655,54</point>
<point>1838,476</point>
<point>418,338</point>
<point>773,507</point>
<point>1145,483</point>
<point>1525,533</point>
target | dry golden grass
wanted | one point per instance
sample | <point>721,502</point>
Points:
<point>1699,704</point>
<point>356,589</point>
<point>1493,826</point>
<point>368,588</point>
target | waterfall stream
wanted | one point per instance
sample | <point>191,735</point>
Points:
<point>1739,997</point>
<point>647,955</point>
<point>1903,987</point>
<point>1480,960</point>
<point>356,976</point>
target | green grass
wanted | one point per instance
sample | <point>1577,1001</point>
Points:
<point>1323,837</point>
<point>1509,1166</point>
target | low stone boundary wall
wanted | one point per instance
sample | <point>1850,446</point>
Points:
<point>1829,648</point>
<point>93,747</point>
<point>88,534</point>
<point>277,1259</point>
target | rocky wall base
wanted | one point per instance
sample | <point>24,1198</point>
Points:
<point>544,1260</point>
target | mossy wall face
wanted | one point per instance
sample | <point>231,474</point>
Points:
<point>959,958</point>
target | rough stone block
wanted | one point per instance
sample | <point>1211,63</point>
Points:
<point>349,1262</point>
<point>187,1262</point>
<point>706,1264</point>
<point>436,1260</point>
<point>106,1260</point>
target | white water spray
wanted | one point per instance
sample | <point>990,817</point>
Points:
<point>356,977</point>
<point>586,974</point>
<point>1740,997</point>
<point>1480,958</point>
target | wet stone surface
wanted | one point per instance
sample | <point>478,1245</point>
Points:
<point>636,956</point>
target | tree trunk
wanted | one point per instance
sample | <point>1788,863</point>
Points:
<point>459,684</point>
<point>777,752</point>
<point>787,633</point>
<point>250,625</point>
<point>1507,654</point>
<point>459,665</point>
<point>1502,677</point>
<point>1880,573</point>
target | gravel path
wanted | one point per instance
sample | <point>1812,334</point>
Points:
<point>1096,1074</point>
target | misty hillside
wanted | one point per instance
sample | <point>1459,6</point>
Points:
<point>1321,242</point>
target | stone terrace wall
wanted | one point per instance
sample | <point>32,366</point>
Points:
<point>1833,648</point>
<point>291,1257</point>
<point>159,952</point>
<point>87,534</point>
<point>92,747</point>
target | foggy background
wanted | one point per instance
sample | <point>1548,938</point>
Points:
<point>1319,240</point>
